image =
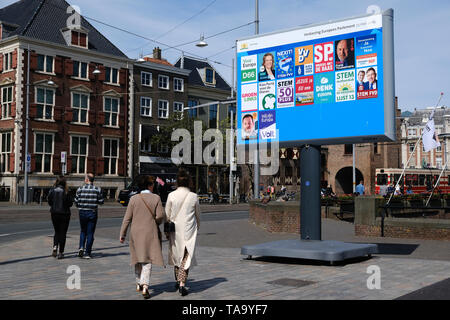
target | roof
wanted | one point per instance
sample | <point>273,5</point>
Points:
<point>417,117</point>
<point>159,61</point>
<point>195,78</point>
<point>44,19</point>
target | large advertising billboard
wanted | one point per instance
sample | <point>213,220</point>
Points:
<point>329,83</point>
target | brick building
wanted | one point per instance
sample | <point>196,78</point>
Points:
<point>207,86</point>
<point>160,90</point>
<point>412,129</point>
<point>78,101</point>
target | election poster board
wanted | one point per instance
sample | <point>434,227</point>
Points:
<point>329,83</point>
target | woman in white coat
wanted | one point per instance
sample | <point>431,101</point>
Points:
<point>182,208</point>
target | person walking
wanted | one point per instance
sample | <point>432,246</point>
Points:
<point>182,208</point>
<point>60,202</point>
<point>360,188</point>
<point>144,215</point>
<point>87,199</point>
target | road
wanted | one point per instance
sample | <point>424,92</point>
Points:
<point>108,227</point>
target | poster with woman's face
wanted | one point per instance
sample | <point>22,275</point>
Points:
<point>266,63</point>
<point>249,125</point>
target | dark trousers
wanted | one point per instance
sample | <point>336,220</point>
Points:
<point>61,225</point>
<point>88,222</point>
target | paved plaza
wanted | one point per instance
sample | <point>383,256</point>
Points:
<point>29,272</point>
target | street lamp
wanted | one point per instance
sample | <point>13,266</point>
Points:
<point>202,42</point>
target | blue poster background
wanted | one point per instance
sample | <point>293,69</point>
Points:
<point>332,120</point>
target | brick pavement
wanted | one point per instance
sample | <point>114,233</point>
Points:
<point>27,271</point>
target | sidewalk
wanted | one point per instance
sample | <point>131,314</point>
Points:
<point>29,272</point>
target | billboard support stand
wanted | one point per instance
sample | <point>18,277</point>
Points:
<point>310,220</point>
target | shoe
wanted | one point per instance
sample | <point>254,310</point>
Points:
<point>61,256</point>
<point>80,253</point>
<point>183,291</point>
<point>87,257</point>
<point>139,288</point>
<point>145,292</point>
<point>55,251</point>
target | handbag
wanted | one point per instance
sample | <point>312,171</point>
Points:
<point>169,226</point>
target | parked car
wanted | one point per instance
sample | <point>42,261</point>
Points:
<point>162,188</point>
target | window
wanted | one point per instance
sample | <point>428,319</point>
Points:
<point>79,39</point>
<point>439,163</point>
<point>80,106</point>
<point>111,75</point>
<point>163,148</point>
<point>111,111</point>
<point>45,63</point>
<point>163,82</point>
<point>79,153</point>
<point>43,152</point>
<point>45,102</point>
<point>375,147</point>
<point>439,149</point>
<point>163,109</point>
<point>7,61</point>
<point>382,179</point>
<point>146,146</point>
<point>213,116</point>
<point>146,107</point>
<point>146,79</point>
<point>7,97</point>
<point>209,76</point>
<point>411,147</point>
<point>411,132</point>
<point>348,149</point>
<point>178,84</point>
<point>80,69</point>
<point>193,113</point>
<point>178,106</point>
<point>110,155</point>
<point>5,151</point>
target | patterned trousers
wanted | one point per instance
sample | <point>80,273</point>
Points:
<point>143,272</point>
<point>181,274</point>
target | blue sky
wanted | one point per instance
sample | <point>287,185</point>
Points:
<point>422,46</point>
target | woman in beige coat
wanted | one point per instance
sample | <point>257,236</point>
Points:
<point>183,210</point>
<point>144,213</point>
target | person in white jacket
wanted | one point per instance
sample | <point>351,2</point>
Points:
<point>182,208</point>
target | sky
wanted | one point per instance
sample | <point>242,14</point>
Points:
<point>421,28</point>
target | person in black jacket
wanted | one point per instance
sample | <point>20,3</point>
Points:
<point>60,202</point>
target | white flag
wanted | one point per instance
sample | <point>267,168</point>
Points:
<point>430,138</point>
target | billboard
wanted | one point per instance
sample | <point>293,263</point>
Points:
<point>330,83</point>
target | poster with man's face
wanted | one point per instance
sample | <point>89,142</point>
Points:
<point>249,125</point>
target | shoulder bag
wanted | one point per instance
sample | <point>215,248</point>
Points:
<point>169,226</point>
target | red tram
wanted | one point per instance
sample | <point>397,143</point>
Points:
<point>419,179</point>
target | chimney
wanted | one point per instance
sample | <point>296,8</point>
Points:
<point>157,53</point>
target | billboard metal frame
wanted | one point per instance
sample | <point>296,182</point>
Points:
<point>388,84</point>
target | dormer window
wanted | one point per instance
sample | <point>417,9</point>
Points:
<point>209,76</point>
<point>79,39</point>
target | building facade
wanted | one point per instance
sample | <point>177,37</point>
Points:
<point>207,87</point>
<point>76,88</point>
<point>160,90</point>
<point>412,128</point>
